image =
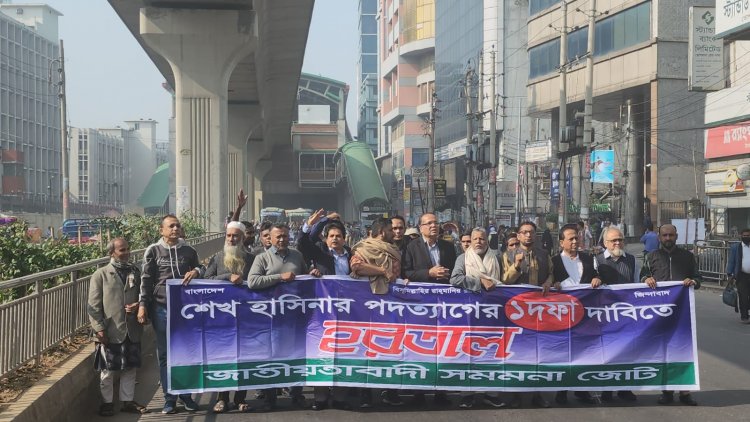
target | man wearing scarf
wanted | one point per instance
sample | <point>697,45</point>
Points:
<point>476,269</point>
<point>112,308</point>
<point>379,259</point>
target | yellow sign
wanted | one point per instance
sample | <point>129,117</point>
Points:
<point>723,182</point>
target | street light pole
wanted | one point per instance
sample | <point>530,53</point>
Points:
<point>63,132</point>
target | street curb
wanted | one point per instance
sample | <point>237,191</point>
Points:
<point>61,396</point>
<point>70,393</point>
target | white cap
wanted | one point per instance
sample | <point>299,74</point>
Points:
<point>236,225</point>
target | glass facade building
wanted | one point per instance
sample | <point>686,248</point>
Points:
<point>458,43</point>
<point>367,71</point>
<point>29,107</point>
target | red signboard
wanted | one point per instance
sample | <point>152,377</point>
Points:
<point>725,141</point>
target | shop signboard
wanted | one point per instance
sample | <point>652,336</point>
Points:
<point>727,141</point>
<point>724,181</point>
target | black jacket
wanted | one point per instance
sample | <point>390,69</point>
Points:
<point>216,269</point>
<point>417,262</point>
<point>589,272</point>
<point>675,266</point>
<point>162,262</point>
<point>318,253</point>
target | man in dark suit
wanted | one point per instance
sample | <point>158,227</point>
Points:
<point>573,267</point>
<point>429,258</point>
<point>738,268</point>
<point>331,255</point>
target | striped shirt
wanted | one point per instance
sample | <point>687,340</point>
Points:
<point>616,271</point>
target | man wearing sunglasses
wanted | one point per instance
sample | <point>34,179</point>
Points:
<point>616,267</point>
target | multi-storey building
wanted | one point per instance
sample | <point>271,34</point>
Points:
<point>367,72</point>
<point>29,112</point>
<point>406,41</point>
<point>640,64</point>
<point>97,175</point>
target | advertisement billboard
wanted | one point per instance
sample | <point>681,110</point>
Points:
<point>602,166</point>
<point>724,182</point>
<point>726,141</point>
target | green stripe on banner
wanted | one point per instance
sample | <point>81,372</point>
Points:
<point>423,374</point>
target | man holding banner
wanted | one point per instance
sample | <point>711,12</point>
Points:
<point>279,264</point>
<point>477,269</point>
<point>573,268</point>
<point>670,263</point>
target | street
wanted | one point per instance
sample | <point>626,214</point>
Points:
<point>723,345</point>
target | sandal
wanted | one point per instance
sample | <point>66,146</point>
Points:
<point>133,407</point>
<point>244,407</point>
<point>220,406</point>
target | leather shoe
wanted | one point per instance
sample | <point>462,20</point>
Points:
<point>687,400</point>
<point>607,396</point>
<point>561,398</point>
<point>666,398</point>
<point>539,401</point>
<point>441,399</point>
<point>515,401</point>
<point>584,397</point>
<point>627,395</point>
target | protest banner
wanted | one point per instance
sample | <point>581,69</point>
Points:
<point>334,331</point>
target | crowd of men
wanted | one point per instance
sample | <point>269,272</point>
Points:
<point>123,298</point>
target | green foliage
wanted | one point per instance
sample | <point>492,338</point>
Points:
<point>19,257</point>
<point>551,217</point>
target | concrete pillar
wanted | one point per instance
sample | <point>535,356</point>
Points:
<point>202,47</point>
<point>259,173</point>
<point>244,122</point>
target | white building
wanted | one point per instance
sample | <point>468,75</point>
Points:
<point>97,173</point>
<point>29,110</point>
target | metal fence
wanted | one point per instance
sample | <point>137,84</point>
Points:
<point>31,325</point>
<point>712,257</point>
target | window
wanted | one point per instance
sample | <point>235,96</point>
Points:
<point>617,32</point>
<point>623,30</point>
<point>544,58</point>
<point>536,6</point>
<point>420,157</point>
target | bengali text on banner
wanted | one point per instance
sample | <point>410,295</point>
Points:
<point>334,331</point>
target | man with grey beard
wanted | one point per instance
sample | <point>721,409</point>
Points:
<point>234,262</point>
<point>616,267</point>
<point>231,264</point>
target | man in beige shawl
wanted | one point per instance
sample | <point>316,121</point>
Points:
<point>478,267</point>
<point>377,258</point>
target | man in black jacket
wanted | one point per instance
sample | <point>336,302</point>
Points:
<point>670,263</point>
<point>170,257</point>
<point>570,268</point>
<point>429,258</point>
<point>331,255</point>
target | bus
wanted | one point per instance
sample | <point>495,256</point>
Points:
<point>272,214</point>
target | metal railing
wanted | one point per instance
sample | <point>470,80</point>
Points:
<point>33,324</point>
<point>712,257</point>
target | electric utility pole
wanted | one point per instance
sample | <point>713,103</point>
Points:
<point>63,131</point>
<point>563,119</point>
<point>470,148</point>
<point>588,114</point>
<point>493,140</point>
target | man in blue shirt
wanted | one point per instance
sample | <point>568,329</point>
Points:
<point>650,239</point>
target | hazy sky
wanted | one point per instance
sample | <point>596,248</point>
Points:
<point>111,79</point>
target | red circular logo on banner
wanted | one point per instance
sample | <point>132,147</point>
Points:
<point>554,312</point>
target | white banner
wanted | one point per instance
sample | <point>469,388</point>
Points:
<point>733,16</point>
<point>706,57</point>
